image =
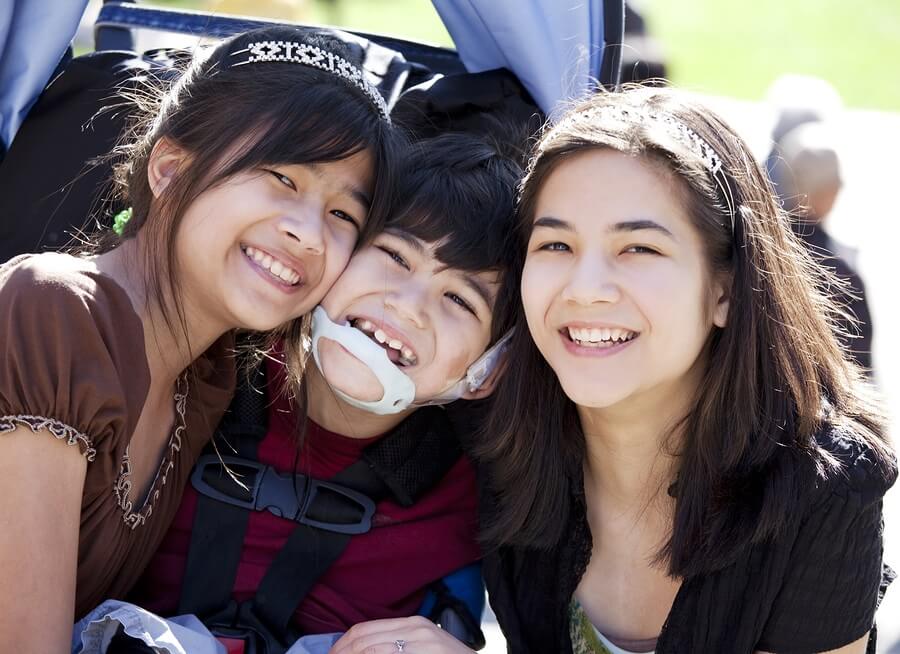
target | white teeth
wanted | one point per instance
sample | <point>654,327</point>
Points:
<point>600,335</point>
<point>275,267</point>
<point>407,356</point>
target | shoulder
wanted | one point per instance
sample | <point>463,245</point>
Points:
<point>852,467</point>
<point>53,283</point>
<point>70,338</point>
<point>832,572</point>
<point>33,276</point>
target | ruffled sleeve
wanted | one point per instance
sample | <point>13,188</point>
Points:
<point>835,577</point>
<point>67,342</point>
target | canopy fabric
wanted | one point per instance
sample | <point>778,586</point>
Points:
<point>34,35</point>
<point>554,47</point>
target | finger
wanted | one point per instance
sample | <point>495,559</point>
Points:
<point>374,644</point>
<point>389,628</point>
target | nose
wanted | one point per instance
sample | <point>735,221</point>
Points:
<point>304,227</point>
<point>592,280</point>
<point>408,300</point>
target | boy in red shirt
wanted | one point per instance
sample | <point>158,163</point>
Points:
<point>401,329</point>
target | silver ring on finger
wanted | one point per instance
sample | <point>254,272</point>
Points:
<point>400,643</point>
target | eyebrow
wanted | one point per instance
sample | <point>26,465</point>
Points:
<point>410,240</point>
<point>347,189</point>
<point>624,226</point>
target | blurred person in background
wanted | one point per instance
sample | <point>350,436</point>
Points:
<point>797,100</point>
<point>810,185</point>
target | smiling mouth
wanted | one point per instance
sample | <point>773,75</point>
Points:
<point>398,352</point>
<point>598,337</point>
<point>278,270</point>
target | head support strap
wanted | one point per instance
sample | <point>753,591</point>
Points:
<point>315,57</point>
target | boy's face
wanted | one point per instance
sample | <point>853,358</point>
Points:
<point>433,321</point>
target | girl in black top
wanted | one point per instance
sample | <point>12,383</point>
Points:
<point>681,457</point>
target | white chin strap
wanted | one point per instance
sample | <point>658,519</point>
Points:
<point>399,391</point>
<point>476,374</point>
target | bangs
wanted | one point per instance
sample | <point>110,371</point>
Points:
<point>463,241</point>
<point>321,127</point>
<point>318,121</point>
<point>460,196</point>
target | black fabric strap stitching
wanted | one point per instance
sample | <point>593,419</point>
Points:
<point>217,536</point>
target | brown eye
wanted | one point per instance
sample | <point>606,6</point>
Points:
<point>640,249</point>
<point>284,179</point>
<point>393,254</point>
<point>456,299</point>
<point>346,217</point>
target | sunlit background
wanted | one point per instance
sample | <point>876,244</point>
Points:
<point>732,52</point>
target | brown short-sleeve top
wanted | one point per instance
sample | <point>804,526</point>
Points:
<point>74,365</point>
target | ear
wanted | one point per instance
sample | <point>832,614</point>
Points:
<point>165,161</point>
<point>722,293</point>
<point>490,383</point>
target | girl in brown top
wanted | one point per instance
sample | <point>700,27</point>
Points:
<point>250,184</point>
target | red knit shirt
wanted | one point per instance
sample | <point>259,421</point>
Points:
<point>381,574</point>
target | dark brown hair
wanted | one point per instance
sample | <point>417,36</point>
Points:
<point>230,119</point>
<point>459,190</point>
<point>774,376</point>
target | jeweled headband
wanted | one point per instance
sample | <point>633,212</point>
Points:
<point>674,127</point>
<point>687,137</point>
<point>315,57</point>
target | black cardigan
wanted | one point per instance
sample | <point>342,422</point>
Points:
<point>814,589</point>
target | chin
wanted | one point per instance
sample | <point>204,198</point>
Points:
<point>594,396</point>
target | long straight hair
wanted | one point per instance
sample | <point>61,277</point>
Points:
<point>230,119</point>
<point>773,377</point>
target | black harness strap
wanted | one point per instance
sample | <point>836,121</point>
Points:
<point>308,553</point>
<point>404,465</point>
<point>218,530</point>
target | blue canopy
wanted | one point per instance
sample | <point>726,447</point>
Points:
<point>34,35</point>
<point>554,47</point>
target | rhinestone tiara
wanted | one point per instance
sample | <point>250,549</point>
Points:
<point>674,127</point>
<point>316,57</point>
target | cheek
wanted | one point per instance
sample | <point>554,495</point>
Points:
<point>540,284</point>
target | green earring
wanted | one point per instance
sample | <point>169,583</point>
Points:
<point>121,219</point>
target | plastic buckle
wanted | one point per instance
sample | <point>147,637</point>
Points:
<point>278,493</point>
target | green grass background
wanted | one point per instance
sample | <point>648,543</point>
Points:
<point>727,47</point>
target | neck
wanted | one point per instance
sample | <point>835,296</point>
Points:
<point>330,412</point>
<point>170,350</point>
<point>630,447</point>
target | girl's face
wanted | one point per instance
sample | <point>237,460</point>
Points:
<point>615,285</point>
<point>433,320</point>
<point>266,245</point>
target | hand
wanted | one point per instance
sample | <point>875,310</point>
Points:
<point>418,635</point>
